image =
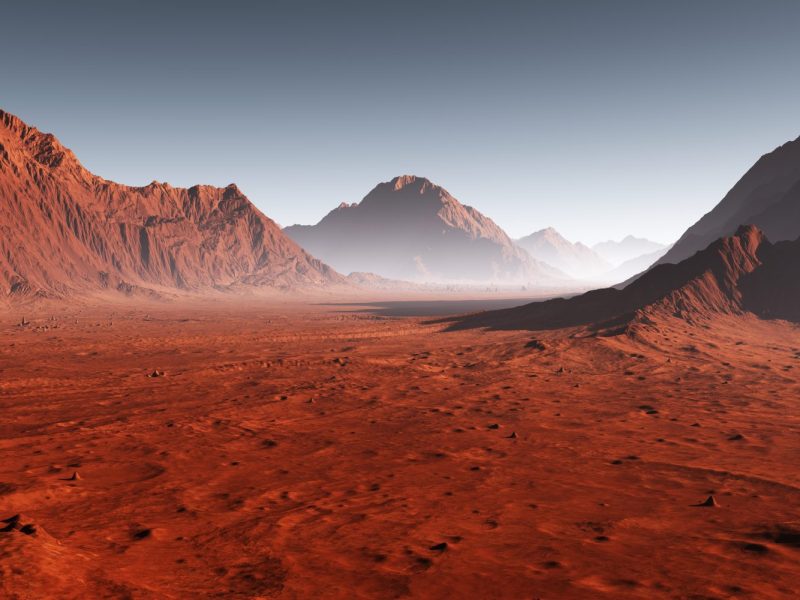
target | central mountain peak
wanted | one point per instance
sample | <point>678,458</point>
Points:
<point>410,228</point>
<point>408,188</point>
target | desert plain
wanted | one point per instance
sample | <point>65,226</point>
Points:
<point>326,449</point>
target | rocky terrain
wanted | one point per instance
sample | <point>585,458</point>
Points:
<point>306,451</point>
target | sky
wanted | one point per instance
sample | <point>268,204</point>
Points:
<point>599,118</point>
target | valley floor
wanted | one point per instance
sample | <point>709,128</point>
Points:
<point>316,452</point>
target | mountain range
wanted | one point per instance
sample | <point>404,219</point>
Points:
<point>635,266</point>
<point>628,248</point>
<point>606,262</point>
<point>575,259</point>
<point>65,229</point>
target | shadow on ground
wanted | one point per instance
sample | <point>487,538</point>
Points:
<point>429,308</point>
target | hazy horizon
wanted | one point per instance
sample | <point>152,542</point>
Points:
<point>598,120</point>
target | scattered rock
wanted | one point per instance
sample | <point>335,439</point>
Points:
<point>15,523</point>
<point>142,534</point>
<point>709,502</point>
<point>11,523</point>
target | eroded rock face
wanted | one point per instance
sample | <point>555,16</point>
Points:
<point>65,230</point>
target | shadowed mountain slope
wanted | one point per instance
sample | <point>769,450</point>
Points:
<point>744,272</point>
<point>65,230</point>
<point>409,228</point>
<point>767,196</point>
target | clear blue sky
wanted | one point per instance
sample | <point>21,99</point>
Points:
<point>598,118</point>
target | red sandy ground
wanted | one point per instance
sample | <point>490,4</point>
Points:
<point>308,453</point>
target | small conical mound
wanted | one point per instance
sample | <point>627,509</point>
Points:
<point>710,502</point>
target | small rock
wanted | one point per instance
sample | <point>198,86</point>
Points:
<point>142,534</point>
<point>709,502</point>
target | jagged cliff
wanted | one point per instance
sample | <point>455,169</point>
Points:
<point>66,230</point>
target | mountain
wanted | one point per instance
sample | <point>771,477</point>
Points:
<point>576,260</point>
<point>634,266</point>
<point>627,249</point>
<point>409,228</point>
<point>768,196</point>
<point>744,272</point>
<point>66,230</point>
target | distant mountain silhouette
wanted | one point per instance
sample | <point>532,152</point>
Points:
<point>768,196</point>
<point>626,249</point>
<point>576,260</point>
<point>635,266</point>
<point>66,230</point>
<point>409,228</point>
<point>732,275</point>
